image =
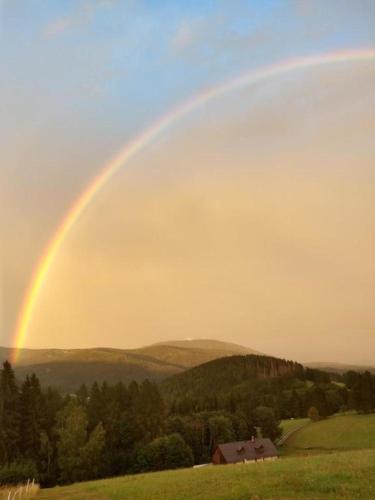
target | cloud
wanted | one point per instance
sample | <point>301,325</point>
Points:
<point>183,36</point>
<point>57,27</point>
<point>191,32</point>
<point>217,39</point>
<point>81,16</point>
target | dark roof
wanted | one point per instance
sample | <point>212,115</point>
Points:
<point>248,450</point>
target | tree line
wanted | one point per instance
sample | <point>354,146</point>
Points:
<point>107,430</point>
<point>239,384</point>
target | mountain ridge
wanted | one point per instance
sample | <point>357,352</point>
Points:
<point>68,368</point>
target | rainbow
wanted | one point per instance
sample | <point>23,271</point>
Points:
<point>141,141</point>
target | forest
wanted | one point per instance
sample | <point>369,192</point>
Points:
<point>107,430</point>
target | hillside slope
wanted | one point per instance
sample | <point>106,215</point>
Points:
<point>224,374</point>
<point>68,368</point>
<point>342,475</point>
<point>339,432</point>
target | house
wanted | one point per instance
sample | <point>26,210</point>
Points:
<point>244,451</point>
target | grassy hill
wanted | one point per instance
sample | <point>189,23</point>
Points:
<point>337,433</point>
<point>69,368</point>
<point>293,424</point>
<point>289,427</point>
<point>343,475</point>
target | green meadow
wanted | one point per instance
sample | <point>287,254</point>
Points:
<point>340,432</point>
<point>293,424</point>
<point>342,466</point>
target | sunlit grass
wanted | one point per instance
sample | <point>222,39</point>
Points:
<point>290,425</point>
<point>19,492</point>
<point>339,475</point>
<point>340,432</point>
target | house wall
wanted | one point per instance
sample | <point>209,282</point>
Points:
<point>217,457</point>
<point>266,459</point>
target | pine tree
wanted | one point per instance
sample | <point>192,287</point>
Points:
<point>83,395</point>
<point>32,415</point>
<point>149,411</point>
<point>295,405</point>
<point>121,395</point>
<point>317,398</point>
<point>363,393</point>
<point>9,415</point>
<point>95,406</point>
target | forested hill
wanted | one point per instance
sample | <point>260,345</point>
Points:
<point>222,375</point>
<point>238,384</point>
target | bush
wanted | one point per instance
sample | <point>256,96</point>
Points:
<point>268,423</point>
<point>313,414</point>
<point>167,452</point>
<point>17,472</point>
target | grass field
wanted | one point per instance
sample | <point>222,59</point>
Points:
<point>291,425</point>
<point>21,492</point>
<point>340,465</point>
<point>343,475</point>
<point>341,432</point>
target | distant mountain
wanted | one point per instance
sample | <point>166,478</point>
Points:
<point>333,367</point>
<point>69,368</point>
<point>218,345</point>
<point>189,353</point>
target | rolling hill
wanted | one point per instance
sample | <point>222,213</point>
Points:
<point>336,433</point>
<point>224,375</point>
<point>67,369</point>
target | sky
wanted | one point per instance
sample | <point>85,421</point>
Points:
<point>252,220</point>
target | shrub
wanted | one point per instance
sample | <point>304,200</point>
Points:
<point>17,472</point>
<point>313,414</point>
<point>268,423</point>
<point>167,452</point>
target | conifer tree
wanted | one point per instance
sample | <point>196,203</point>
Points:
<point>83,395</point>
<point>94,406</point>
<point>9,415</point>
<point>149,410</point>
<point>32,415</point>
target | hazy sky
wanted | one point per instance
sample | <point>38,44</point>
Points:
<point>252,221</point>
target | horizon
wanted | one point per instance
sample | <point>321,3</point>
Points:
<point>161,342</point>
